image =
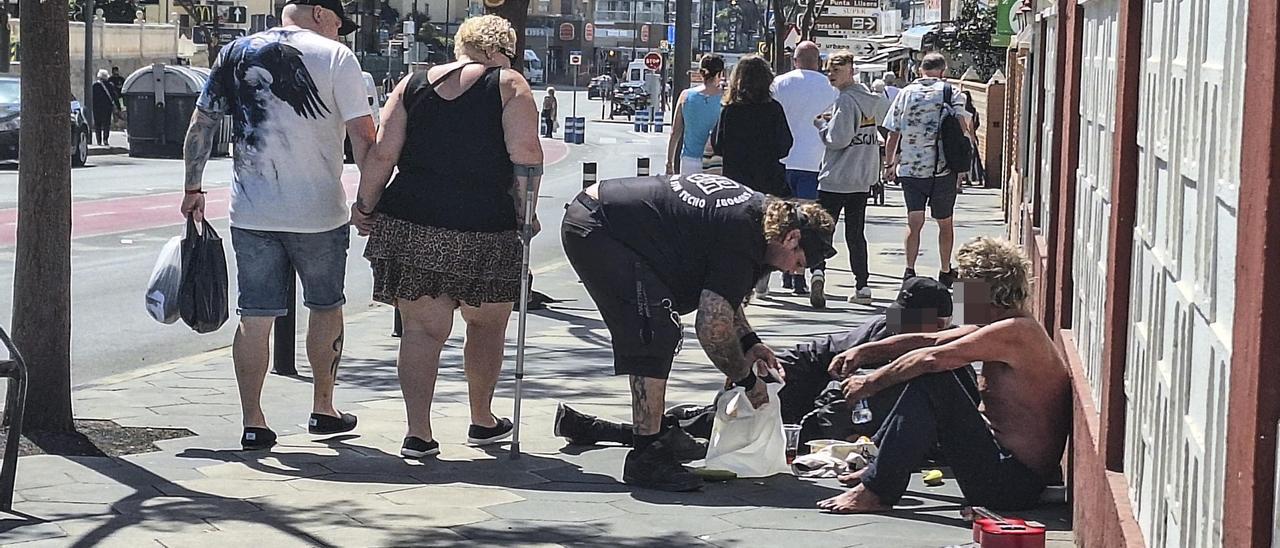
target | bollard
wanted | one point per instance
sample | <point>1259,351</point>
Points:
<point>588,174</point>
<point>580,131</point>
<point>644,120</point>
<point>637,121</point>
<point>568,129</point>
<point>642,167</point>
<point>286,330</point>
<point>657,122</point>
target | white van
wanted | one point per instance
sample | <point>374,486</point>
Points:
<point>533,68</point>
<point>636,72</point>
<point>375,107</point>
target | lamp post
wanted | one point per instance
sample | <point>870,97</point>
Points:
<point>86,102</point>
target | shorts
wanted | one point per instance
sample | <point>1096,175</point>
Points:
<point>264,260</point>
<point>804,184</point>
<point>939,193</point>
<point>637,307</point>
<point>690,166</point>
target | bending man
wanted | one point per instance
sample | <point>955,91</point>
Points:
<point>651,249</point>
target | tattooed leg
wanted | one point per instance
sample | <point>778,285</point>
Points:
<point>648,399</point>
<point>324,352</point>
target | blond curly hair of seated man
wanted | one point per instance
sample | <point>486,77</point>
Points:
<point>1000,264</point>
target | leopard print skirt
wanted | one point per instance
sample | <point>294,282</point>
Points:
<point>411,260</point>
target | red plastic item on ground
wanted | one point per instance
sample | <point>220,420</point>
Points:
<point>991,530</point>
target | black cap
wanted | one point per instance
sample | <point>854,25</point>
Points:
<point>335,6</point>
<point>922,292</point>
<point>817,247</point>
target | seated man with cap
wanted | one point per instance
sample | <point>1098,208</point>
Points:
<point>1003,445</point>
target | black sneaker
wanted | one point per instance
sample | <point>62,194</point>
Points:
<point>655,467</point>
<point>325,425</point>
<point>786,281</point>
<point>416,448</point>
<point>480,435</point>
<point>947,278</point>
<point>799,288</point>
<point>684,446</point>
<point>255,438</point>
<point>574,427</point>
<point>907,275</point>
<point>692,418</point>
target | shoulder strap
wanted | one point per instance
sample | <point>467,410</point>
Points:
<point>946,93</point>
<point>451,72</point>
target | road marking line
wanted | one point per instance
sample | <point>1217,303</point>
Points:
<point>150,208</point>
<point>98,214</point>
<point>608,140</point>
<point>550,267</point>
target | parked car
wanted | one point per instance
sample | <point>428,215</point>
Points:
<point>375,104</point>
<point>11,123</point>
<point>629,97</point>
<point>599,86</point>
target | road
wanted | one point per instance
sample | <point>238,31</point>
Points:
<point>125,209</point>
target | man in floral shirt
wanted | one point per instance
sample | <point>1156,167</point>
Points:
<point>912,158</point>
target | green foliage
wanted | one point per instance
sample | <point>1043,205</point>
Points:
<point>113,11</point>
<point>974,28</point>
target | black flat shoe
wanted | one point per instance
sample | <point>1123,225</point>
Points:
<point>255,439</point>
<point>481,435</point>
<point>416,448</point>
<point>325,425</point>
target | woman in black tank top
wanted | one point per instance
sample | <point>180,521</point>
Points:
<point>443,233</point>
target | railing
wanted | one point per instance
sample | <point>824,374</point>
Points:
<point>15,369</point>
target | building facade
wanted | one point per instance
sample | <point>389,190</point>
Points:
<point>1145,185</point>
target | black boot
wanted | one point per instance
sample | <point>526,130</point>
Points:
<point>582,429</point>
<point>656,467</point>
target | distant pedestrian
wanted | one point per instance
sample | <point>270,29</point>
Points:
<point>696,114</point>
<point>977,174</point>
<point>292,92</point>
<point>753,136</point>
<point>117,86</point>
<point>443,235</point>
<point>550,113</point>
<point>891,88</point>
<point>804,93</point>
<point>850,167</point>
<point>104,106</point>
<point>389,83</point>
<point>915,161</point>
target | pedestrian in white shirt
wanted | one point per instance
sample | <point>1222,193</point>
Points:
<point>804,94</point>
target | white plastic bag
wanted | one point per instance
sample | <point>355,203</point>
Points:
<point>166,279</point>
<point>745,440</point>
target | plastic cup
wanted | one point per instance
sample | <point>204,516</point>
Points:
<point>792,434</point>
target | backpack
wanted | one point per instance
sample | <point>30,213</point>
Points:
<point>952,141</point>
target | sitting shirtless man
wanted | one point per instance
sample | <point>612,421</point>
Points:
<point>1002,447</point>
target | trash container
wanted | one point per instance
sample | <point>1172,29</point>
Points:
<point>160,99</point>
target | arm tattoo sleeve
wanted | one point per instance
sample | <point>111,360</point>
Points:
<point>740,322</point>
<point>198,145</point>
<point>718,333</point>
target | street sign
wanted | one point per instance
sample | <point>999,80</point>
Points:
<point>237,15</point>
<point>408,27</point>
<point>575,60</point>
<point>858,25</point>
<point>653,61</point>
<point>644,34</point>
<point>664,46</point>
<point>589,32</point>
<point>671,33</point>
<point>566,32</point>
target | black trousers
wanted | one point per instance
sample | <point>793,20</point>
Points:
<point>102,127</point>
<point>937,409</point>
<point>854,205</point>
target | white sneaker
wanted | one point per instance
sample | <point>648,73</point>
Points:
<point>762,287</point>
<point>817,289</point>
<point>863,296</point>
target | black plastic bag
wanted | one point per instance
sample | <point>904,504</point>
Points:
<point>202,301</point>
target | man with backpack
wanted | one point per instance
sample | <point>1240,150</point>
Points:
<point>927,148</point>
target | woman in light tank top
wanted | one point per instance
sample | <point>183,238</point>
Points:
<point>697,112</point>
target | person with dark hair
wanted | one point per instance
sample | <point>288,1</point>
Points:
<point>697,111</point>
<point>977,173</point>
<point>117,85</point>
<point>753,136</point>
<point>649,249</point>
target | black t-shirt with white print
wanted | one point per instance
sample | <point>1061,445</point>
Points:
<point>695,232</point>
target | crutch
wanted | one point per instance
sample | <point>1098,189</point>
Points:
<point>526,235</point>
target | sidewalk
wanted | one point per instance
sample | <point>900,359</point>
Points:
<point>354,490</point>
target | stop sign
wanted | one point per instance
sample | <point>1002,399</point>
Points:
<point>566,32</point>
<point>653,61</point>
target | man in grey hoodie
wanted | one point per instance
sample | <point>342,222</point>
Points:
<point>851,163</point>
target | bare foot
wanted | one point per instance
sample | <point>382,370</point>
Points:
<point>851,479</point>
<point>858,500</point>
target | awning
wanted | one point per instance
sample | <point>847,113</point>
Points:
<point>913,37</point>
<point>887,55</point>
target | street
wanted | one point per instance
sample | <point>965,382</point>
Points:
<point>125,209</point>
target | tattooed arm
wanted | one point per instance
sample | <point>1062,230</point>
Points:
<point>717,326</point>
<point>195,152</point>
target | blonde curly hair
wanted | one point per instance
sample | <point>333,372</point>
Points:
<point>781,216</point>
<point>487,34</point>
<point>1000,264</point>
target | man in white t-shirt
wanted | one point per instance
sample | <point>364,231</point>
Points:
<point>804,94</point>
<point>292,92</point>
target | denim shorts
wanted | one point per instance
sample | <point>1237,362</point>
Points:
<point>264,259</point>
<point>939,193</point>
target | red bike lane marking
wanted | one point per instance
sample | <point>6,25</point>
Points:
<point>134,213</point>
